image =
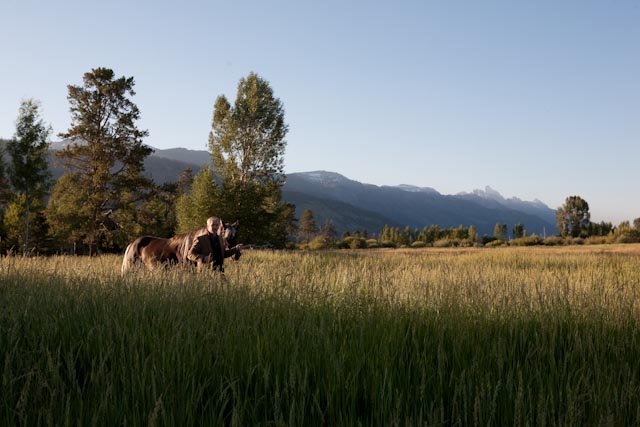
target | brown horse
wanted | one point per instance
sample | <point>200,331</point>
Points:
<point>154,251</point>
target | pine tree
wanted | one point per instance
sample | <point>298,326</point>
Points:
<point>5,196</point>
<point>28,169</point>
<point>106,154</point>
<point>185,181</point>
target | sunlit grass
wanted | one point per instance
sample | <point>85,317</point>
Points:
<point>508,336</point>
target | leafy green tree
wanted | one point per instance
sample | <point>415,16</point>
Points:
<point>66,210</point>
<point>192,210</point>
<point>308,228</point>
<point>105,155</point>
<point>497,232</point>
<point>405,237</point>
<point>573,218</point>
<point>434,233</point>
<point>247,146</point>
<point>28,169</point>
<point>156,216</point>
<point>473,234</point>
<point>462,232</point>
<point>518,231</point>
<point>14,223</point>
<point>624,228</point>
<point>636,224</point>
<point>385,234</point>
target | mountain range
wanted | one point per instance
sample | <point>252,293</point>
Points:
<point>352,205</point>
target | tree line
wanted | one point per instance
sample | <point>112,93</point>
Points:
<point>572,220</point>
<point>104,200</point>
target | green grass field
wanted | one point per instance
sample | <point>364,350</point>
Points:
<point>513,336</point>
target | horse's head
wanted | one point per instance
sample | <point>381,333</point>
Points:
<point>229,234</point>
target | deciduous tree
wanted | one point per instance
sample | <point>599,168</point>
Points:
<point>573,218</point>
<point>308,228</point>
<point>192,210</point>
<point>518,231</point>
<point>247,145</point>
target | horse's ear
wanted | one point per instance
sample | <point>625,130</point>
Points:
<point>235,224</point>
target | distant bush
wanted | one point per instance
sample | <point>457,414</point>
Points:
<point>358,243</point>
<point>387,244</point>
<point>553,241</point>
<point>526,241</point>
<point>418,244</point>
<point>345,243</point>
<point>372,243</point>
<point>467,243</point>
<point>624,238</point>
<point>318,243</point>
<point>290,245</point>
<point>495,243</point>
<point>595,240</point>
<point>445,243</point>
<point>487,239</point>
<point>575,241</point>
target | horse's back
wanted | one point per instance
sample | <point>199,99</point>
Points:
<point>139,250</point>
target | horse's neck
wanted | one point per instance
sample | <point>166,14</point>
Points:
<point>187,237</point>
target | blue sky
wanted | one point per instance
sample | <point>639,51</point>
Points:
<point>537,99</point>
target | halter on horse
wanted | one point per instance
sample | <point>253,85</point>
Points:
<point>153,251</point>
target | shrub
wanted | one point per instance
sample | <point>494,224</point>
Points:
<point>624,238</point>
<point>467,243</point>
<point>445,243</point>
<point>553,241</point>
<point>487,239</point>
<point>526,241</point>
<point>387,244</point>
<point>358,243</point>
<point>595,240</point>
<point>318,243</point>
<point>575,241</point>
<point>345,243</point>
<point>418,244</point>
<point>495,243</point>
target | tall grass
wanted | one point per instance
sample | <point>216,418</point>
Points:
<point>514,336</point>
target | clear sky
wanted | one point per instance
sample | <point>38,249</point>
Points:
<point>537,99</point>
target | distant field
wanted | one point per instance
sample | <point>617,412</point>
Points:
<point>506,336</point>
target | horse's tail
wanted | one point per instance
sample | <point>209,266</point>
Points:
<point>130,256</point>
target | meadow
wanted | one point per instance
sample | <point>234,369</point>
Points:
<point>505,336</point>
